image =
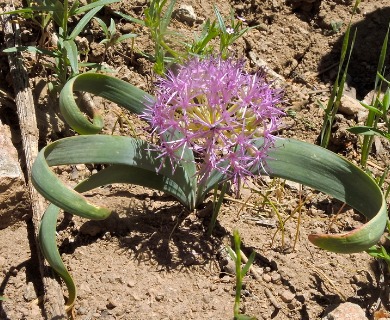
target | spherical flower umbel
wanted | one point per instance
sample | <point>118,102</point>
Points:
<point>219,111</point>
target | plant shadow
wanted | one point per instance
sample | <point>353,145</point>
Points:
<point>370,35</point>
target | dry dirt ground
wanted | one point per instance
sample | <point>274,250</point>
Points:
<point>151,259</point>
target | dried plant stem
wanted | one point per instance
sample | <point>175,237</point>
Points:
<point>53,300</point>
<point>252,270</point>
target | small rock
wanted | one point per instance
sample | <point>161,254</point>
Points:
<point>276,278</point>
<point>82,311</point>
<point>292,185</point>
<point>80,167</point>
<point>349,91</point>
<point>91,229</point>
<point>159,297</point>
<point>14,203</point>
<point>82,45</point>
<point>111,304</point>
<point>131,283</point>
<point>287,296</point>
<point>346,311</point>
<point>185,14</point>
<point>350,106</point>
<point>267,277</point>
<point>29,292</point>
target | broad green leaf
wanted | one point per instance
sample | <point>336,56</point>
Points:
<point>115,90</point>
<point>325,171</point>
<point>134,162</point>
<point>48,244</point>
<point>106,150</point>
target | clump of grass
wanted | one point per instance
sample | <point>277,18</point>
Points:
<point>64,51</point>
<point>157,18</point>
<point>338,86</point>
<point>112,37</point>
<point>377,110</point>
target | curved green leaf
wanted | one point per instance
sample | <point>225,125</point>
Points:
<point>115,90</point>
<point>325,171</point>
<point>368,131</point>
<point>107,150</point>
<point>48,244</point>
<point>113,174</point>
<point>134,162</point>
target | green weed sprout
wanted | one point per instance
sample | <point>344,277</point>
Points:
<point>241,271</point>
<point>157,22</point>
<point>214,123</point>
<point>378,108</point>
<point>338,86</point>
<point>112,37</point>
<point>228,34</point>
<point>66,54</point>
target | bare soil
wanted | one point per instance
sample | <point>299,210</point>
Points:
<point>151,259</point>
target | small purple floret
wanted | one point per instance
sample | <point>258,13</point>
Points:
<point>219,111</point>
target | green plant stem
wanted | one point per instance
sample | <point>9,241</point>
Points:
<point>237,244</point>
<point>216,206</point>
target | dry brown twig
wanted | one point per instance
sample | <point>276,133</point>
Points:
<point>53,302</point>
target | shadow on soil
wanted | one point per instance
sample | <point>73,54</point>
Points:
<point>365,56</point>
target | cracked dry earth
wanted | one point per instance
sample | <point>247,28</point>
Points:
<point>151,259</point>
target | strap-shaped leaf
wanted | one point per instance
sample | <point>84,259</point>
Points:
<point>115,90</point>
<point>134,163</point>
<point>48,244</point>
<point>113,174</point>
<point>120,92</point>
<point>106,150</point>
<point>325,171</point>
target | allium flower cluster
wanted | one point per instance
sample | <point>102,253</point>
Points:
<point>219,111</point>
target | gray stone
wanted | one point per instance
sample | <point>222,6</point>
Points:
<point>29,292</point>
<point>346,311</point>
<point>287,296</point>
<point>185,14</point>
<point>350,106</point>
<point>14,203</point>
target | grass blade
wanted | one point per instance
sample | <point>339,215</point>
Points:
<point>84,21</point>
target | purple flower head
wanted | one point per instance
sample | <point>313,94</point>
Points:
<point>219,111</point>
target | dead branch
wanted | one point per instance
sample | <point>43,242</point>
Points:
<point>53,300</point>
